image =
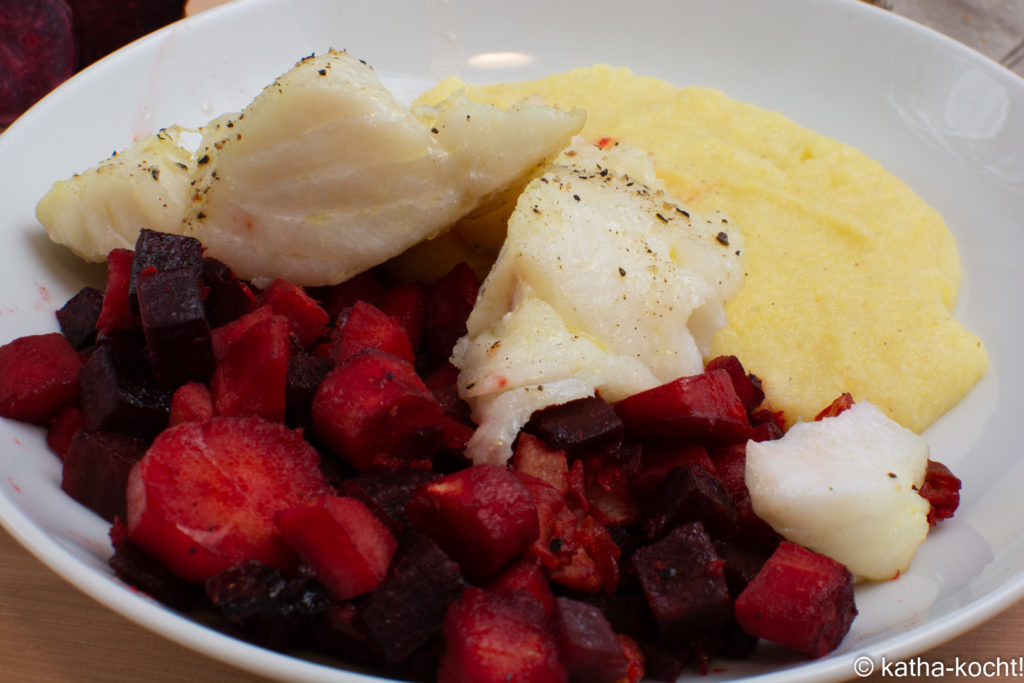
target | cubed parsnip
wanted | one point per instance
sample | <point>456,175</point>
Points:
<point>103,208</point>
<point>846,487</point>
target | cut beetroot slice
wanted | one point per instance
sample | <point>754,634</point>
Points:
<point>590,651</point>
<point>801,599</point>
<point>448,306</point>
<point>489,638</point>
<point>374,412</point>
<point>364,326</point>
<point>38,54</point>
<point>704,408</point>
<point>251,372</point>
<point>481,516</point>
<point>204,496</point>
<point>116,313</point>
<point>309,320</point>
<point>347,546</point>
<point>78,317</point>
<point>38,377</point>
<point>96,469</point>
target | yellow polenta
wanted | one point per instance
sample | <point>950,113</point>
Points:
<point>851,277</point>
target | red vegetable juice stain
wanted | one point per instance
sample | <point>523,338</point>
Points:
<point>13,485</point>
<point>44,297</point>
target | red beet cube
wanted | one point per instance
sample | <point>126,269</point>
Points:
<point>174,323</point>
<point>491,638</point>
<point>684,581</point>
<point>481,516</point>
<point>227,297</point>
<point>374,412</point>
<point>164,251</point>
<point>801,599</point>
<point>38,377</point>
<point>941,489</point>
<point>116,313</point>
<point>251,372</point>
<point>365,326</point>
<point>117,393</point>
<point>96,469</point>
<point>748,387</point>
<point>386,493</point>
<point>691,493</point>
<point>590,651</point>
<point>406,303</point>
<point>305,374</point>
<point>703,408</point>
<point>78,317</point>
<point>409,607</point>
<point>448,307</point>
<point>523,575</point>
<point>577,426</point>
<point>348,548</point>
<point>309,320</point>
<point>63,428</point>
<point>731,466</point>
<point>203,498</point>
<point>365,286</point>
<point>102,26</point>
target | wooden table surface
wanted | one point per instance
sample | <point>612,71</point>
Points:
<point>51,633</point>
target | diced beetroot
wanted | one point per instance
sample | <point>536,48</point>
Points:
<point>251,372</point>
<point>191,402</point>
<point>270,607</point>
<point>609,476</point>
<point>748,387</point>
<point>841,403</point>
<point>448,307</point>
<point>581,425</point>
<point>575,550</point>
<point>164,251</point>
<point>102,27</point>
<point>204,496</point>
<point>78,317</point>
<point>386,493</point>
<point>523,575</point>
<point>767,424</point>
<point>534,457</point>
<point>363,287</point>
<point>63,428</point>
<point>801,599</point>
<point>590,651</point>
<point>406,303</point>
<point>743,559</point>
<point>174,324</point>
<point>684,581</point>
<point>305,374</point>
<point>690,493</point>
<point>348,548</point>
<point>731,466</point>
<point>309,320</point>
<point>116,313</point>
<point>374,412</point>
<point>38,377</point>
<point>38,54</point>
<point>489,638</point>
<point>140,570</point>
<point>117,393</point>
<point>409,608</point>
<point>365,326</point>
<point>96,468</point>
<point>481,516</point>
<point>658,460</point>
<point>703,408</point>
<point>941,489</point>
<point>227,297</point>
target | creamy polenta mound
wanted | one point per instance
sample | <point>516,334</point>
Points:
<point>851,278</point>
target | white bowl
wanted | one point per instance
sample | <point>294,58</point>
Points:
<point>946,120</point>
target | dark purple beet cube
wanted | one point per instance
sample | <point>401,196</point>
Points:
<point>164,251</point>
<point>78,317</point>
<point>691,493</point>
<point>305,373</point>
<point>116,392</point>
<point>139,569</point>
<point>174,324</point>
<point>227,297</point>
<point>386,493</point>
<point>580,425</point>
<point>405,611</point>
<point>96,468</point>
<point>684,581</point>
<point>269,607</point>
<point>590,651</point>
